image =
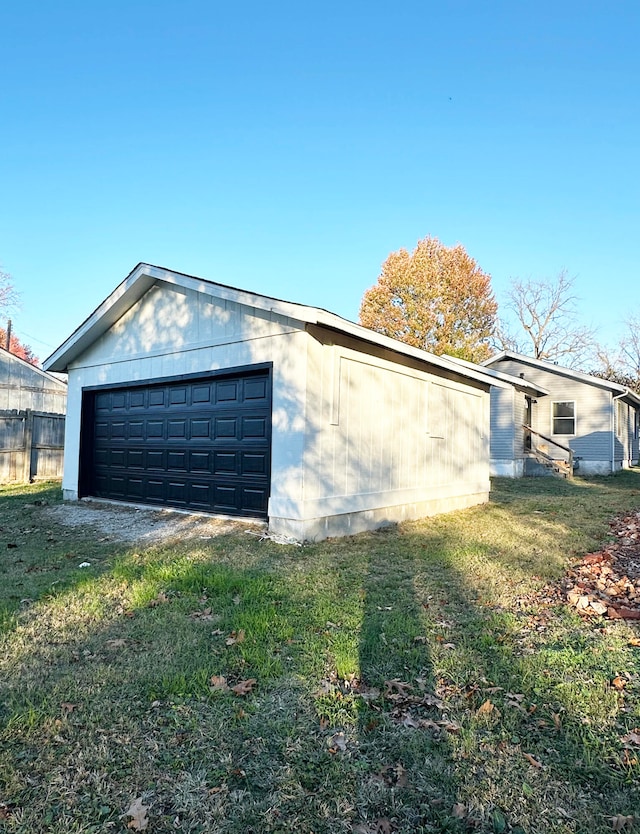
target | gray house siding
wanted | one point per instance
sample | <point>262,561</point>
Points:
<point>598,443</point>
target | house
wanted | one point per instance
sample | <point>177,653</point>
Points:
<point>32,408</point>
<point>191,394</point>
<point>578,421</point>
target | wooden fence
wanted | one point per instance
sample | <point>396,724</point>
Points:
<point>31,445</point>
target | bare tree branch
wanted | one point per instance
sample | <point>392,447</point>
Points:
<point>9,297</point>
<point>546,313</point>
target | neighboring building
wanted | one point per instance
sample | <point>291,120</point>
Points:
<point>190,394</point>
<point>32,408</point>
<point>597,420</point>
<point>23,386</point>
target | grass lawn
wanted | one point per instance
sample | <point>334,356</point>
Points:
<point>420,679</point>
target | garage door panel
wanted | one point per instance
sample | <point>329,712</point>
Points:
<point>156,459</point>
<point>254,427</point>
<point>225,463</point>
<point>225,427</point>
<point>254,463</point>
<point>255,389</point>
<point>135,459</point>
<point>227,392</point>
<point>177,460</point>
<point>155,429</point>
<point>201,443</point>
<point>117,458</point>
<point>253,499</point>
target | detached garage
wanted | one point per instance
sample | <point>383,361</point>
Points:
<point>190,394</point>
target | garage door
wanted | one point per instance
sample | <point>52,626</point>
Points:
<point>200,443</point>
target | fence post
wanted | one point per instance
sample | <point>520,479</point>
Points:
<point>28,445</point>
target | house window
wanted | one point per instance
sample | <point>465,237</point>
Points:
<point>564,418</point>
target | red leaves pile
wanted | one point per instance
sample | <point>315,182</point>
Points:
<point>608,582</point>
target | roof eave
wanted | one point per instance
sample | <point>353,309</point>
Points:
<point>144,276</point>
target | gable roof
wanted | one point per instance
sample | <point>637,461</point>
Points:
<point>502,380</point>
<point>9,360</point>
<point>144,276</point>
<point>616,389</point>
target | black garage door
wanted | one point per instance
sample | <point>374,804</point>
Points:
<point>201,443</point>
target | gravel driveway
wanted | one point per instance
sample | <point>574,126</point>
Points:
<point>117,522</point>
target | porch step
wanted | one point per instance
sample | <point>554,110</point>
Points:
<point>535,467</point>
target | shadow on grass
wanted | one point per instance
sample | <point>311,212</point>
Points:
<point>109,692</point>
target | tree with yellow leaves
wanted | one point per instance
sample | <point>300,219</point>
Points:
<point>436,298</point>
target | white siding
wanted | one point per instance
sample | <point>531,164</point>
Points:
<point>387,439</point>
<point>360,435</point>
<point>174,331</point>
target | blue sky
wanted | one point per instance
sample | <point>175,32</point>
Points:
<point>287,148</point>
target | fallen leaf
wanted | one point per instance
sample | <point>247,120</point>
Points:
<point>383,826</point>
<point>631,738</point>
<point>619,683</point>
<point>459,811</point>
<point>396,686</point>
<point>205,614</point>
<point>160,599</point>
<point>235,637</point>
<point>634,641</point>
<point>401,776</point>
<point>532,760</point>
<point>620,822</point>
<point>337,742</point>
<point>219,683</point>
<point>138,811</point>
<point>244,687</point>
<point>119,643</point>
<point>487,708</point>
<point>67,708</point>
<point>557,723</point>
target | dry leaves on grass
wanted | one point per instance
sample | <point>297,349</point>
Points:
<point>205,615</point>
<point>632,738</point>
<point>244,687</point>
<point>533,761</point>
<point>138,813</point>
<point>488,708</point>
<point>393,776</point>
<point>235,637</point>
<point>608,582</point>
<point>160,599</point>
<point>459,811</point>
<point>218,683</point>
<point>337,743</point>
<point>621,822</point>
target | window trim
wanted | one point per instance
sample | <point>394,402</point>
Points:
<point>554,433</point>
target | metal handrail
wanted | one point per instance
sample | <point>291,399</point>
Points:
<point>553,443</point>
